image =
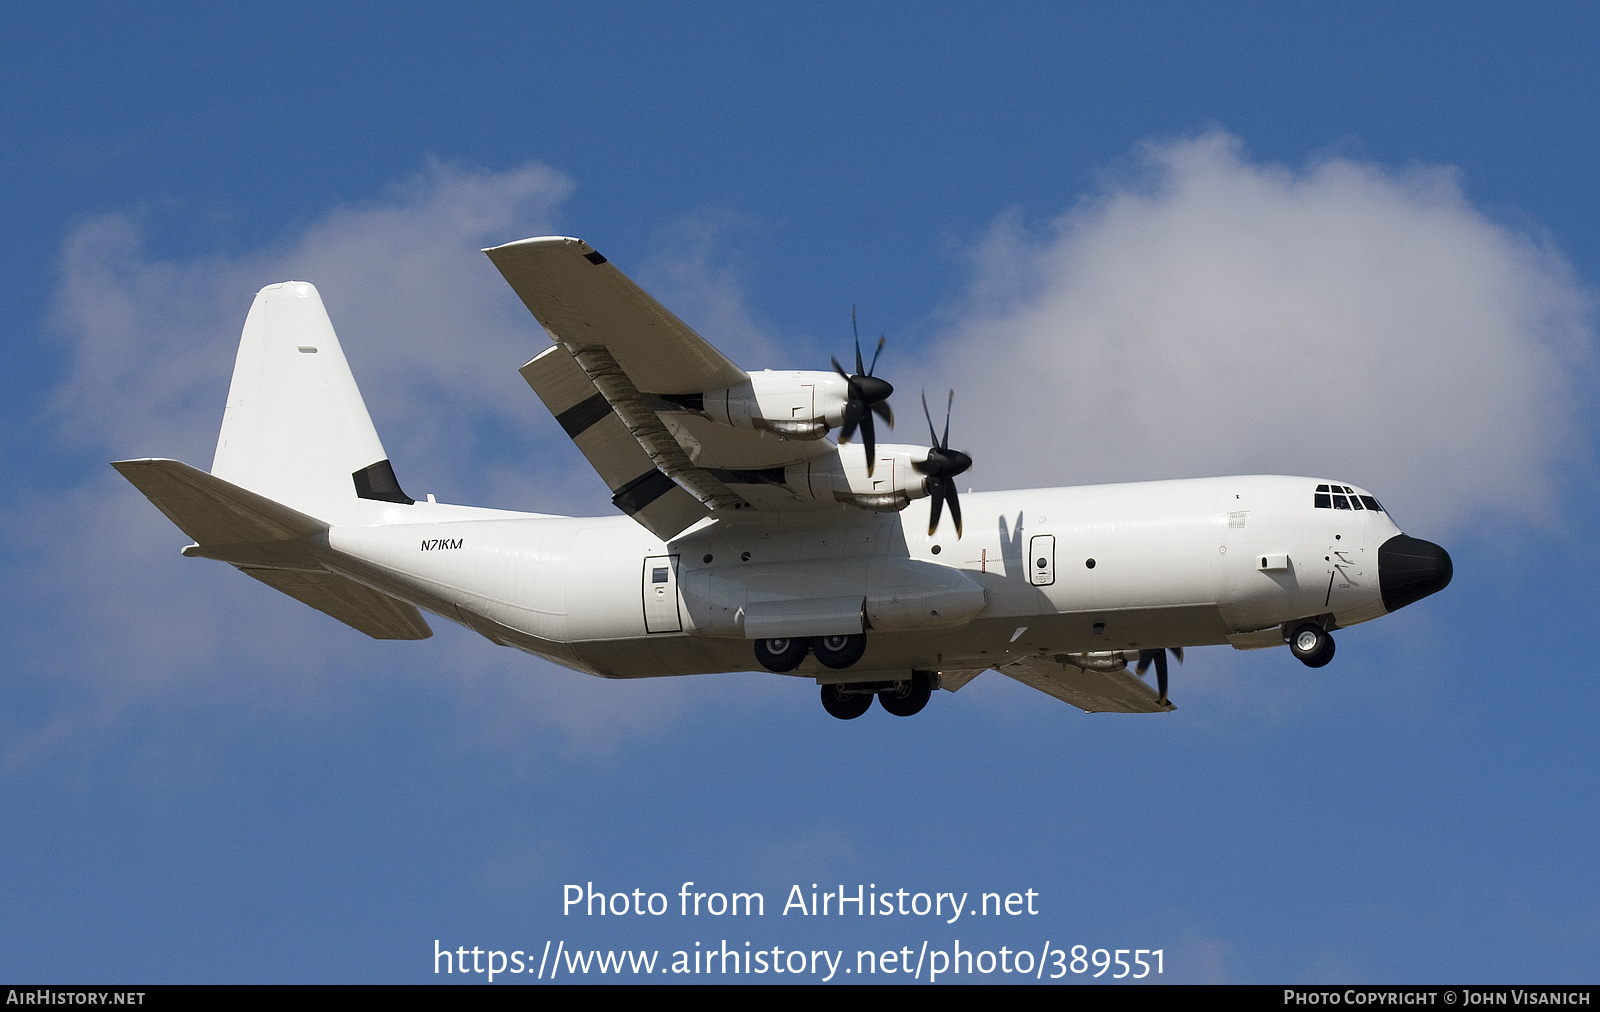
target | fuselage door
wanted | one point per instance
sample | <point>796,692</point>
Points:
<point>1042,560</point>
<point>661,613</point>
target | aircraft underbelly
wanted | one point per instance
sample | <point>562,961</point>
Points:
<point>979,644</point>
<point>604,595</point>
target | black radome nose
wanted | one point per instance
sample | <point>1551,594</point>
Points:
<point>1409,569</point>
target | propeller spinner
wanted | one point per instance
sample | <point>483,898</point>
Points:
<point>941,468</point>
<point>1160,659</point>
<point>868,395</point>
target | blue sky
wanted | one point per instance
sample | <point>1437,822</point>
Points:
<point>1140,241</point>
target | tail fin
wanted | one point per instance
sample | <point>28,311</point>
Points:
<point>296,429</point>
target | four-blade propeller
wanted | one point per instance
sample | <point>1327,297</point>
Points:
<point>1160,659</point>
<point>868,395</point>
<point>941,468</point>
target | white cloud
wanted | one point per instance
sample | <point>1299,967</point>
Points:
<point>433,333</point>
<point>108,618</point>
<point>1205,314</point>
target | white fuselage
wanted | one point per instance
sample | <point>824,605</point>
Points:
<point>1087,568</point>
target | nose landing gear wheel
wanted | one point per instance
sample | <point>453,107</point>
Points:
<point>907,698</point>
<point>844,704</point>
<point>1312,644</point>
<point>839,652</point>
<point>780,655</point>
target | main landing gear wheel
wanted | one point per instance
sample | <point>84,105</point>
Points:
<point>839,701</point>
<point>780,655</point>
<point>1312,644</point>
<point>907,698</point>
<point>839,652</point>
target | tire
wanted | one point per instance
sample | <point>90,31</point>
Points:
<point>839,652</point>
<point>908,698</point>
<point>1312,645</point>
<point>845,705</point>
<point>780,655</point>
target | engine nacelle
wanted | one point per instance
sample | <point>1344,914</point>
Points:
<point>843,477</point>
<point>787,403</point>
<point>1100,660</point>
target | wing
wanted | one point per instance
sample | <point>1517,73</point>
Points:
<point>1118,691</point>
<point>583,301</point>
<point>619,358</point>
<point>639,487</point>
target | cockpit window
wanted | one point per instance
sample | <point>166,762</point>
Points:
<point>1342,497</point>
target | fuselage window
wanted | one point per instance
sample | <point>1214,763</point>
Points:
<point>658,575</point>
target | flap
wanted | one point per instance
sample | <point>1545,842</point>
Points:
<point>638,487</point>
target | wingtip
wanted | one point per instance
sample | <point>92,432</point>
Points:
<point>537,240</point>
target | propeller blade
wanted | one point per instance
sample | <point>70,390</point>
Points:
<point>865,395</point>
<point>852,418</point>
<point>944,444</point>
<point>882,340</point>
<point>870,438</point>
<point>859,367</point>
<point>1159,657</point>
<point>941,466</point>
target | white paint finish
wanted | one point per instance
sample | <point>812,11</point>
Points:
<point>295,427</point>
<point>1126,567</point>
<point>1156,545</point>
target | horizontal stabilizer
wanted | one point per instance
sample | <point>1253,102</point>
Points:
<point>212,511</point>
<point>268,541</point>
<point>1117,691</point>
<point>360,607</point>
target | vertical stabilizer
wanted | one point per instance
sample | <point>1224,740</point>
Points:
<point>296,429</point>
